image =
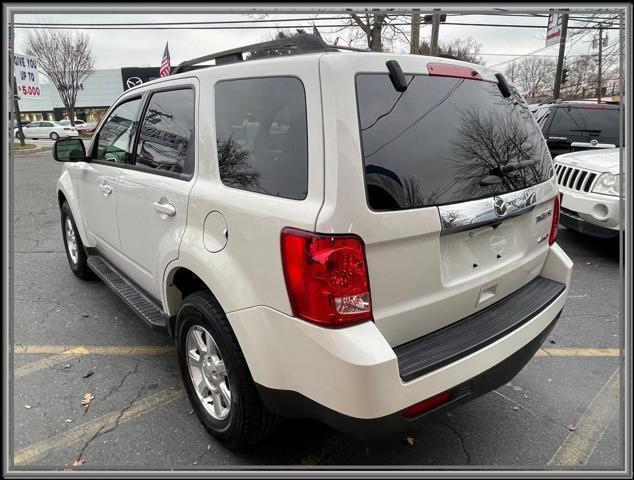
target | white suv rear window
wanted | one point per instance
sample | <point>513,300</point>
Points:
<point>435,143</point>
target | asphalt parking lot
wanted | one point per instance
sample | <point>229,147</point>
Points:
<point>73,338</point>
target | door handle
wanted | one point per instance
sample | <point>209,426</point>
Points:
<point>106,189</point>
<point>165,208</point>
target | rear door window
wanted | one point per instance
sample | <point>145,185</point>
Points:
<point>261,136</point>
<point>441,140</point>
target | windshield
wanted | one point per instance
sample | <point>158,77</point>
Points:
<point>445,140</point>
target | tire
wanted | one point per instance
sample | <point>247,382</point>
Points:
<point>54,136</point>
<point>247,420</point>
<point>76,256</point>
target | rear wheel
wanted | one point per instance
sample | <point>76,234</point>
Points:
<point>216,376</point>
<point>72,244</point>
<point>54,136</point>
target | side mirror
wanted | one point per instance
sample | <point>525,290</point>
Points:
<point>69,150</point>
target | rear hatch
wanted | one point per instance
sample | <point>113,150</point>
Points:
<point>460,178</point>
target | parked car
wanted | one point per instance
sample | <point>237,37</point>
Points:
<point>80,125</point>
<point>574,126</point>
<point>589,185</point>
<point>323,235</point>
<point>46,129</point>
<point>66,122</point>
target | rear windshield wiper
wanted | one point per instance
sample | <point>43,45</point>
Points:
<point>517,166</point>
<point>495,175</point>
<point>585,130</point>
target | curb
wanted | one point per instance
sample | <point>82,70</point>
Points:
<point>37,148</point>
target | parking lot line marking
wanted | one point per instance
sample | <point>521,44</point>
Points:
<point>165,349</point>
<point>578,352</point>
<point>48,362</point>
<point>96,349</point>
<point>84,432</point>
<point>579,445</point>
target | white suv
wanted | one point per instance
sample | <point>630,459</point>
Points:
<point>322,234</point>
<point>589,185</point>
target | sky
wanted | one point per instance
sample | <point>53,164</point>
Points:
<point>136,48</point>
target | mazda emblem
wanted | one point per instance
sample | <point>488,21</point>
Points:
<point>594,142</point>
<point>499,206</point>
<point>133,82</point>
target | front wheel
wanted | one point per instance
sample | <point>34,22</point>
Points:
<point>216,376</point>
<point>54,136</point>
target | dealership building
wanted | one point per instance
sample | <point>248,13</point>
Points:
<point>100,89</point>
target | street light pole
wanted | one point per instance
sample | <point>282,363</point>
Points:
<point>560,58</point>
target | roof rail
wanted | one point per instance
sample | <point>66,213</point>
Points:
<point>302,43</point>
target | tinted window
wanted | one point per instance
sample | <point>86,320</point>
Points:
<point>113,140</point>
<point>586,123</point>
<point>33,125</point>
<point>46,124</point>
<point>166,138</point>
<point>436,142</point>
<point>261,136</point>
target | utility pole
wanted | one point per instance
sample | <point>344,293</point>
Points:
<point>414,47</point>
<point>599,75</point>
<point>16,112</point>
<point>435,27</point>
<point>562,51</point>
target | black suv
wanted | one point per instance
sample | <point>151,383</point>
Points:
<point>573,126</point>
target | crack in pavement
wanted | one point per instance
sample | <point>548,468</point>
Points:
<point>101,430</point>
<point>133,371</point>
<point>462,442</point>
<point>543,419</point>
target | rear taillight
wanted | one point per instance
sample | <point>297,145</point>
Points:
<point>552,237</point>
<point>67,128</point>
<point>326,277</point>
<point>427,404</point>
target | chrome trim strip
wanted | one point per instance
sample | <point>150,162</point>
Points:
<point>486,211</point>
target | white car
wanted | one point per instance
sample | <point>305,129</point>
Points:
<point>47,129</point>
<point>589,183</point>
<point>322,235</point>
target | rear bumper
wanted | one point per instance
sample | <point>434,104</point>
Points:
<point>353,372</point>
<point>291,404</point>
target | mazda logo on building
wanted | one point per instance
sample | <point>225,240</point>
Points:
<point>499,206</point>
<point>133,82</point>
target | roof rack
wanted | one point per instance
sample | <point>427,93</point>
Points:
<point>301,44</point>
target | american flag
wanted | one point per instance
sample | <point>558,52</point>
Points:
<point>165,63</point>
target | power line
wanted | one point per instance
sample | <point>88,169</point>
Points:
<point>186,26</point>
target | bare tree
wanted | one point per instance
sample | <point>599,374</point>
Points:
<point>465,49</point>
<point>532,74</point>
<point>66,59</point>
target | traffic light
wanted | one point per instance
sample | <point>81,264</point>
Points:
<point>564,75</point>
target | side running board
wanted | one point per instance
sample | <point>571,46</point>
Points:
<point>140,302</point>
